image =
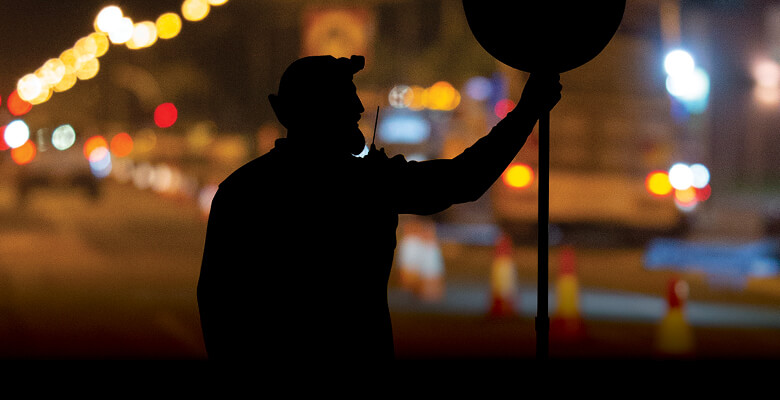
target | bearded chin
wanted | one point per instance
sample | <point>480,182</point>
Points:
<point>355,141</point>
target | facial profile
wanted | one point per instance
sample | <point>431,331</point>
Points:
<point>317,99</point>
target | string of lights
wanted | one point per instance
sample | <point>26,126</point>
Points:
<point>112,27</point>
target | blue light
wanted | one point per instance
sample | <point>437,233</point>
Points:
<point>404,128</point>
<point>479,88</point>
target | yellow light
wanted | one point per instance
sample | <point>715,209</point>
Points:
<point>442,96</point>
<point>43,96</point>
<point>195,10</point>
<point>101,43</point>
<point>144,35</point>
<point>70,60</point>
<point>657,183</point>
<point>168,25</point>
<point>52,71</point>
<point>108,19</point>
<point>518,176</point>
<point>85,48</point>
<point>217,2</point>
<point>122,32</point>
<point>67,82</point>
<point>29,87</point>
<point>417,97</point>
<point>88,70</point>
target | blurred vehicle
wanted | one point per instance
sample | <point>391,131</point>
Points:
<point>612,127</point>
<point>57,170</point>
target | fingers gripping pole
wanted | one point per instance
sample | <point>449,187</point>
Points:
<point>542,317</point>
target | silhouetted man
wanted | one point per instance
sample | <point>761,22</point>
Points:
<point>300,241</point>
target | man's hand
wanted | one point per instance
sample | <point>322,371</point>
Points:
<point>541,93</point>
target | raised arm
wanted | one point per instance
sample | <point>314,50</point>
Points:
<point>431,186</point>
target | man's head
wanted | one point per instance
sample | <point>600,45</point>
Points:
<point>318,103</point>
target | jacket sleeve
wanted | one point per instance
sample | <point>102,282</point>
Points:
<point>429,187</point>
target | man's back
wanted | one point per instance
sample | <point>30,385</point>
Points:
<point>297,258</point>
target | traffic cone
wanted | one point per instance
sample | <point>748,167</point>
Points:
<point>567,324</point>
<point>431,267</point>
<point>503,280</point>
<point>410,253</point>
<point>675,336</point>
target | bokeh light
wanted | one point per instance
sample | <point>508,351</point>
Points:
<point>108,19</point>
<point>702,194</point>
<point>217,2</point>
<point>3,145</point>
<point>680,176</point>
<point>43,97</point>
<point>144,35</point>
<point>65,83</point>
<point>24,153</point>
<point>29,87</point>
<point>100,162</point>
<point>93,143</point>
<point>63,137</point>
<point>417,97</point>
<point>657,183</point>
<point>503,107</point>
<point>400,96</point>
<point>123,31</point>
<point>165,115</point>
<point>17,106</point>
<point>16,133</point>
<point>52,71</point>
<point>195,10</point>
<point>101,43</point>
<point>518,176</point>
<point>678,63</point>
<point>121,145</point>
<point>701,176</point>
<point>478,88</point>
<point>168,25</point>
<point>442,96</point>
<point>88,70</point>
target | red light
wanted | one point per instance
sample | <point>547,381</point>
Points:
<point>93,143</point>
<point>503,107</point>
<point>3,145</point>
<point>121,144</point>
<point>703,193</point>
<point>24,153</point>
<point>165,115</point>
<point>16,105</point>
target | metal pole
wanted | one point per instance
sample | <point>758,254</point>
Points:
<point>542,317</point>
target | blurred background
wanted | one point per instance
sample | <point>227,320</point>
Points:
<point>120,118</point>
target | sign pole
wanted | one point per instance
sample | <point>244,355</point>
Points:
<point>542,317</point>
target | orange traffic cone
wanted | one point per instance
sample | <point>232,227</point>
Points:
<point>503,280</point>
<point>675,336</point>
<point>431,267</point>
<point>566,324</point>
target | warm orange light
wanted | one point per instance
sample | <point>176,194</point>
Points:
<point>93,143</point>
<point>16,105</point>
<point>685,196</point>
<point>121,145</point>
<point>24,153</point>
<point>657,183</point>
<point>518,176</point>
